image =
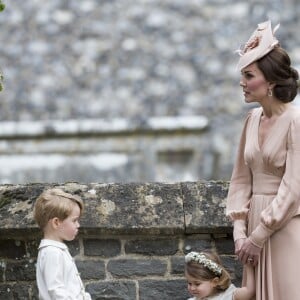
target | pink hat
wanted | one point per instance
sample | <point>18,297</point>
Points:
<point>261,42</point>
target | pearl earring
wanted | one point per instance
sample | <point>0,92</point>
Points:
<point>270,93</point>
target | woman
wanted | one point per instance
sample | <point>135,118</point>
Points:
<point>264,193</point>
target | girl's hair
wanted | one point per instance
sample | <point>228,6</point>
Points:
<point>198,270</point>
<point>55,203</point>
<point>276,67</point>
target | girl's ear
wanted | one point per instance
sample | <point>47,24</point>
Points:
<point>215,281</point>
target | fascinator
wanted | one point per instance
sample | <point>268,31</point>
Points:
<point>261,42</point>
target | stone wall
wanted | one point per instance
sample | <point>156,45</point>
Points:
<point>159,149</point>
<point>132,240</point>
<point>131,60</point>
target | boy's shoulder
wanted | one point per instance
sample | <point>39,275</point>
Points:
<point>52,244</point>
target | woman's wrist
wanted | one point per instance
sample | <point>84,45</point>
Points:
<point>259,235</point>
<point>239,230</point>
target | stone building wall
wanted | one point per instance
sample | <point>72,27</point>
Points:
<point>132,240</point>
<point>130,60</point>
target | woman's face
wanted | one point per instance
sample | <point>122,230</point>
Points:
<point>254,84</point>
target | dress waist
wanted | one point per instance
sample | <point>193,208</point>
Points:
<point>265,184</point>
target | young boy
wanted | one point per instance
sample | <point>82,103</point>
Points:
<point>57,213</point>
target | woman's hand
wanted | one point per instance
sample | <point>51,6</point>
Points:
<point>247,252</point>
<point>238,245</point>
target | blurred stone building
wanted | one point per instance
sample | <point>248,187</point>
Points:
<point>123,90</point>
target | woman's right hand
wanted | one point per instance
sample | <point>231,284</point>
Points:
<point>238,245</point>
<point>249,253</point>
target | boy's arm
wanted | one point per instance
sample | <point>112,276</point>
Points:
<point>247,292</point>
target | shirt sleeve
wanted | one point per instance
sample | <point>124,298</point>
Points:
<point>53,274</point>
<point>286,203</point>
<point>240,189</point>
<point>87,296</point>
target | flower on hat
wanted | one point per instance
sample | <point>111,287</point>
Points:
<point>252,44</point>
<point>261,42</point>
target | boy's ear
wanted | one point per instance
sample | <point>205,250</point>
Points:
<point>55,222</point>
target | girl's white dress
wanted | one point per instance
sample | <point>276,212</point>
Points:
<point>226,295</point>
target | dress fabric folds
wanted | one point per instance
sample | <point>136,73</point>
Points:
<point>264,197</point>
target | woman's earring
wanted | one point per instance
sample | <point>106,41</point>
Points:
<point>270,93</point>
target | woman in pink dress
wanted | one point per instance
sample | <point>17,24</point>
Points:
<point>264,193</point>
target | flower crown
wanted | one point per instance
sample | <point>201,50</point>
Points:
<point>201,259</point>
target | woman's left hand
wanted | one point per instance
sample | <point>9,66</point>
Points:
<point>249,253</point>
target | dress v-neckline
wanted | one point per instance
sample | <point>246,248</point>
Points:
<point>272,128</point>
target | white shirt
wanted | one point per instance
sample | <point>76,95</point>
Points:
<point>226,295</point>
<point>56,273</point>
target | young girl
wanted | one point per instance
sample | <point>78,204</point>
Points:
<point>57,213</point>
<point>207,279</point>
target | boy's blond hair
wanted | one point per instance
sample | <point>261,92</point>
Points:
<point>55,203</point>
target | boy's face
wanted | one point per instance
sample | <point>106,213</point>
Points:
<point>200,289</point>
<point>68,228</point>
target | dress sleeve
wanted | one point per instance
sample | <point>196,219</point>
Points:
<point>286,203</point>
<point>240,189</point>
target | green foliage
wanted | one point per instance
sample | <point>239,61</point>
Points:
<point>1,80</point>
<point>2,6</point>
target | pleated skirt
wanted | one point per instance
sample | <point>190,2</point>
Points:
<point>277,274</point>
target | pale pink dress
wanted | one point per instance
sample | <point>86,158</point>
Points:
<point>263,201</point>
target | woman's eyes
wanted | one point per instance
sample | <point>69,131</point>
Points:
<point>248,75</point>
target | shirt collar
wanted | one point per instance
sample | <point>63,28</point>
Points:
<point>47,242</point>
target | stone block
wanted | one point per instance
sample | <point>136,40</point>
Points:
<point>225,245</point>
<point>2,268</point>
<point>234,267</point>
<point>152,246</point>
<point>195,243</point>
<point>10,248</point>
<point>177,265</point>
<point>131,208</point>
<point>32,248</point>
<point>74,247</point>
<point>134,208</point>
<point>91,269</point>
<point>20,270</point>
<point>204,206</point>
<point>168,289</point>
<point>102,247</point>
<point>121,290</point>
<point>130,268</point>
<point>18,291</point>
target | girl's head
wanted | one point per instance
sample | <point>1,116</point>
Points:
<point>55,203</point>
<point>205,274</point>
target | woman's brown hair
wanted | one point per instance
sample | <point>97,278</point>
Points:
<point>276,67</point>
